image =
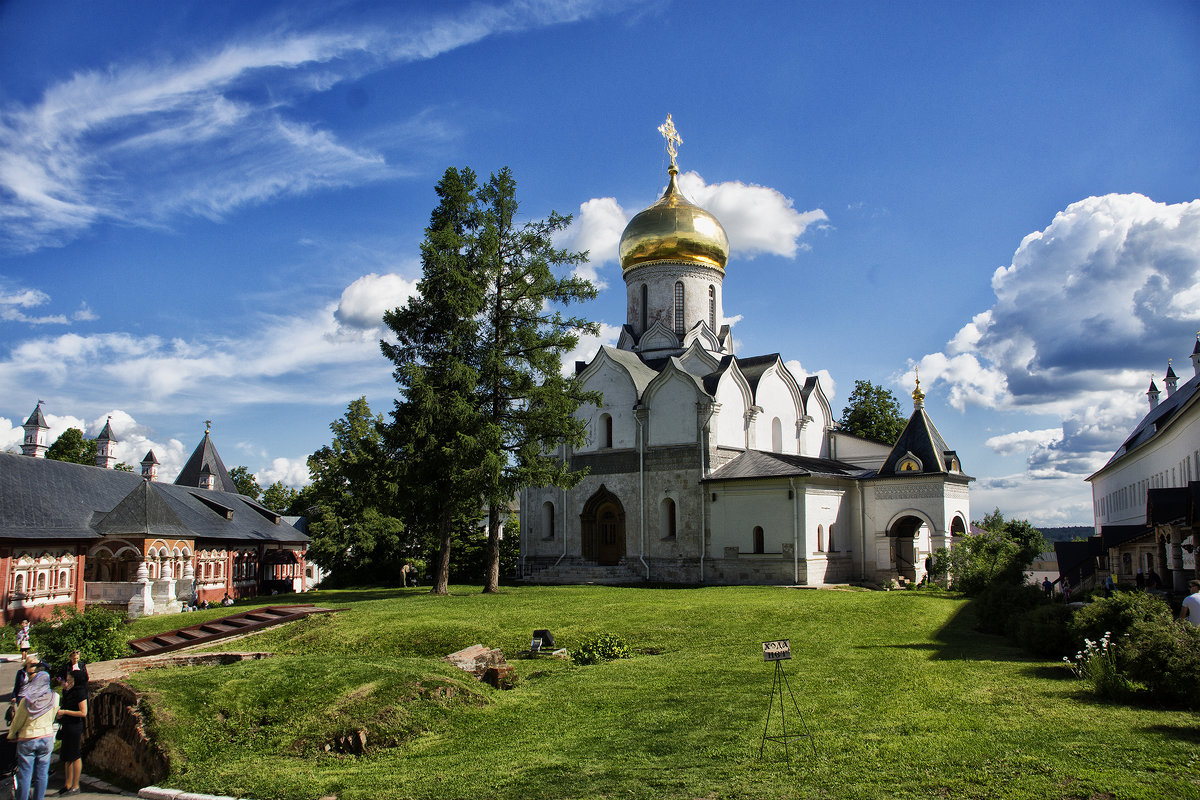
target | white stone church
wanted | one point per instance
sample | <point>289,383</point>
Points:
<point>708,467</point>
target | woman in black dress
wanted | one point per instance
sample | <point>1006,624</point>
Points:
<point>71,714</point>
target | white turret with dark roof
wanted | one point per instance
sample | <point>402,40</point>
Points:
<point>36,431</point>
<point>707,467</point>
<point>104,446</point>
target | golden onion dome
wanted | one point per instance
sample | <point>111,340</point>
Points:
<point>674,229</point>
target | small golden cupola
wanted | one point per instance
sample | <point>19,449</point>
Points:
<point>674,228</point>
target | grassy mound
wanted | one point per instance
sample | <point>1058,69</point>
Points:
<point>902,699</point>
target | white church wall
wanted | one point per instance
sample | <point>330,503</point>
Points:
<point>777,403</point>
<point>859,452</point>
<point>672,410</point>
<point>659,279</point>
<point>618,401</point>
<point>814,442</point>
<point>741,507</point>
<point>731,419</point>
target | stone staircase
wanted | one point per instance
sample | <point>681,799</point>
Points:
<point>223,628</point>
<point>577,570</point>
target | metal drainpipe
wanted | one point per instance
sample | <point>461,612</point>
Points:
<point>563,527</point>
<point>703,492</point>
<point>642,489</point>
<point>862,534</point>
<point>795,531</point>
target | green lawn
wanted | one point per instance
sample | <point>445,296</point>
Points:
<point>902,697</point>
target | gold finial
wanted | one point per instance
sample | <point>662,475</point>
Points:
<point>667,129</point>
<point>207,425</point>
<point>918,395</point>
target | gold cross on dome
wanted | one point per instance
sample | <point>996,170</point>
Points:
<point>667,129</point>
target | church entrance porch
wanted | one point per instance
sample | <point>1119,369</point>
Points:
<point>602,525</point>
<point>904,534</point>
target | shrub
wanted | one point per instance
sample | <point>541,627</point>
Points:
<point>1164,656</point>
<point>604,647</point>
<point>1116,614</point>
<point>1098,663</point>
<point>97,633</point>
<point>1044,630</point>
<point>1000,605</point>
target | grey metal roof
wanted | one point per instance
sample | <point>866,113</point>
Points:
<point>36,417</point>
<point>1159,418</point>
<point>44,499</point>
<point>758,464</point>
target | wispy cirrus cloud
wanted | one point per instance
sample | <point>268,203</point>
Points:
<point>142,143</point>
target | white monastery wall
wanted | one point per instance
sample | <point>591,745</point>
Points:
<point>777,403</point>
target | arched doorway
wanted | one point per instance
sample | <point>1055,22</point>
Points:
<point>603,528</point>
<point>903,534</point>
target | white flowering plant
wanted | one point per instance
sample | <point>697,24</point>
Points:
<point>1098,663</point>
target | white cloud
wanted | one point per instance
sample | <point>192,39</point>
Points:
<point>1088,309</point>
<point>1023,441</point>
<point>590,345</point>
<point>828,385</point>
<point>757,219</point>
<point>291,472</point>
<point>597,229</point>
<point>140,143</point>
<point>364,302</point>
<point>1041,500</point>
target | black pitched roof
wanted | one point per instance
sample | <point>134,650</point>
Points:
<point>36,418</point>
<point>758,464</point>
<point>921,438</point>
<point>42,499</point>
<point>107,432</point>
<point>205,456</point>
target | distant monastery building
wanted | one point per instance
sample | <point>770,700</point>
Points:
<point>77,535</point>
<point>709,467</point>
<point>1146,499</point>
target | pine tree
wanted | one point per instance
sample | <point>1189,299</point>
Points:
<point>436,426</point>
<point>528,405</point>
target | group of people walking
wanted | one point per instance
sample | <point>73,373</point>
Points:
<point>36,707</point>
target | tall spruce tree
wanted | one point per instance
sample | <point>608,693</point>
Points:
<point>528,405</point>
<point>436,429</point>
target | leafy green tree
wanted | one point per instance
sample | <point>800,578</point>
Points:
<point>243,479</point>
<point>97,633</point>
<point>999,555</point>
<point>72,447</point>
<point>872,412</point>
<point>354,532</point>
<point>279,497</point>
<point>121,466</point>
<point>528,405</point>
<point>436,429</point>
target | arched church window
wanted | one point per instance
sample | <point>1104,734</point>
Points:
<point>19,583</point>
<point>820,539</point>
<point>606,431</point>
<point>776,436</point>
<point>668,522</point>
<point>712,307</point>
<point>832,541</point>
<point>548,519</point>
<point>645,307</point>
<point>41,584</point>
<point>759,543</point>
<point>679,307</point>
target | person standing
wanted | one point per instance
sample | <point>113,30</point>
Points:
<point>78,669</point>
<point>23,639</point>
<point>1191,605</point>
<point>33,730</point>
<point>72,712</point>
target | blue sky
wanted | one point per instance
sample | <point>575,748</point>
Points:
<point>205,206</point>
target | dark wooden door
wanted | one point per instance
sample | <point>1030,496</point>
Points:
<point>610,536</point>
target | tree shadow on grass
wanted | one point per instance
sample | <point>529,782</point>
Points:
<point>1183,733</point>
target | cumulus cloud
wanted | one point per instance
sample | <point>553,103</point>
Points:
<point>757,219</point>
<point>291,472</point>
<point>1088,309</point>
<point>827,383</point>
<point>364,302</point>
<point>1043,500</point>
<point>140,143</point>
